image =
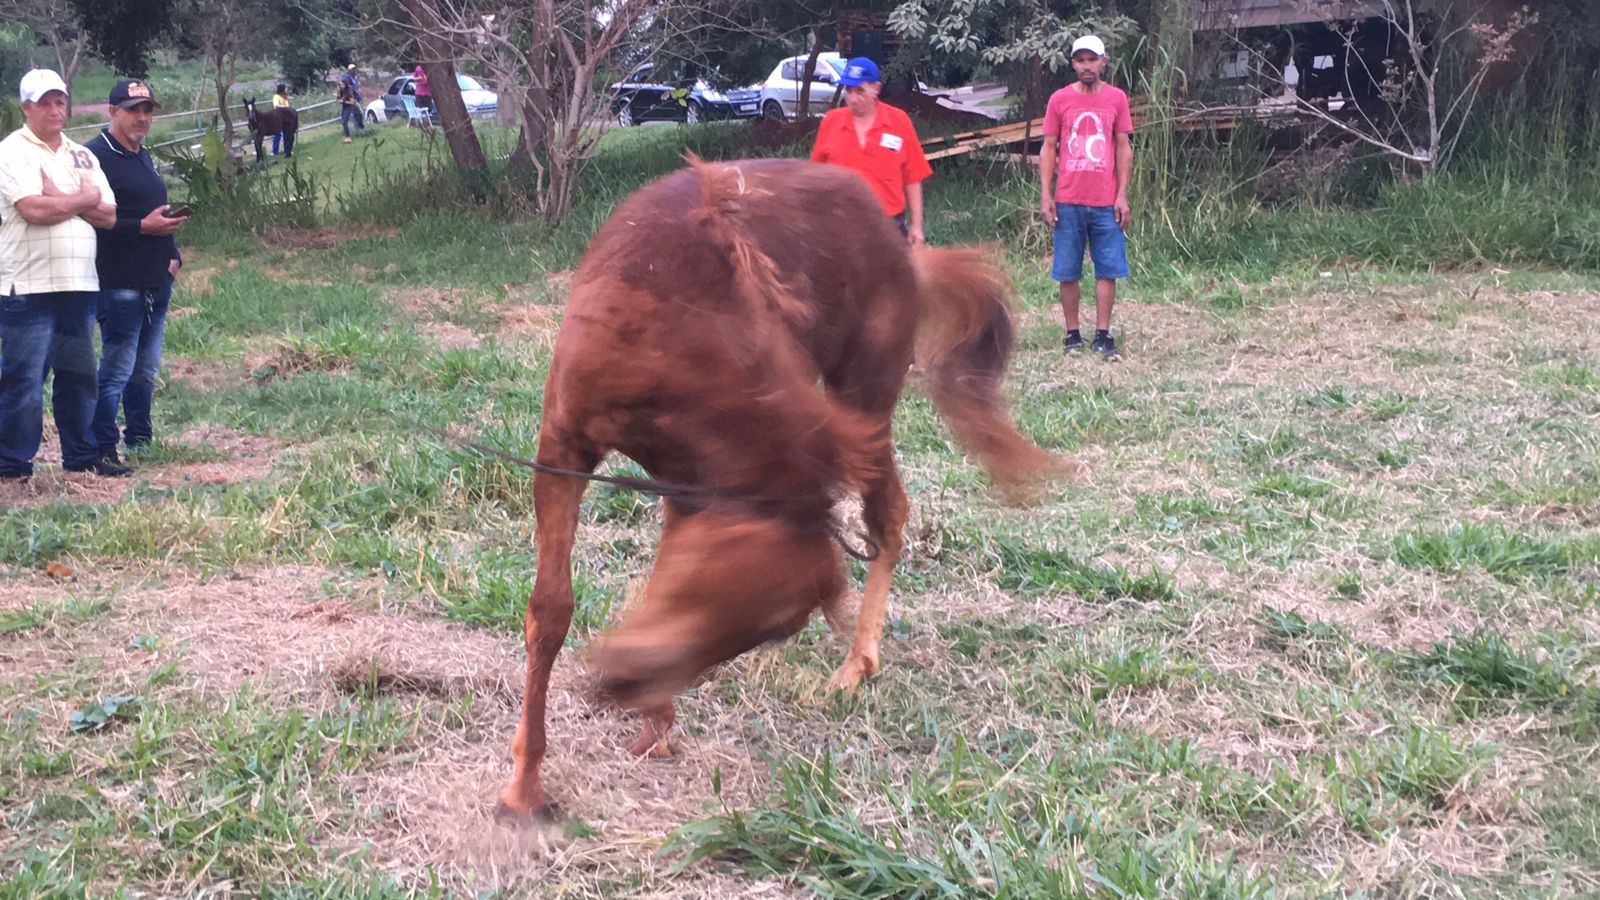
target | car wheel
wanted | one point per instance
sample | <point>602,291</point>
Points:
<point>693,114</point>
<point>625,116</point>
<point>772,110</point>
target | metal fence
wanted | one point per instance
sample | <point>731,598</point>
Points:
<point>200,116</point>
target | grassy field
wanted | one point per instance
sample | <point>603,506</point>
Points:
<point>1322,620</point>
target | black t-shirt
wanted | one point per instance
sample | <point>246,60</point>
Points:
<point>125,258</point>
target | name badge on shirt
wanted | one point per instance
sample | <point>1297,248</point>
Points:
<point>891,142</point>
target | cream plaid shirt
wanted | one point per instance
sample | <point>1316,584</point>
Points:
<point>39,259</point>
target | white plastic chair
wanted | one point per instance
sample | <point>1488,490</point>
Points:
<point>416,115</point>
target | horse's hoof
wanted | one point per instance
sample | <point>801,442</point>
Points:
<point>852,672</point>
<point>507,817</point>
<point>651,747</point>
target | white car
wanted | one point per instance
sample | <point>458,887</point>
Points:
<point>479,100</point>
<point>780,93</point>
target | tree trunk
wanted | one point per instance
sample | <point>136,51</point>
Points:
<point>457,124</point>
<point>222,77</point>
<point>522,162</point>
<point>67,65</point>
<point>438,63</point>
<point>223,83</point>
<point>802,106</point>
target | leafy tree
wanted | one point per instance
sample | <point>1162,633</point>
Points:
<point>17,50</point>
<point>221,33</point>
<point>56,26</point>
<point>1019,40</point>
<point>1006,34</point>
<point>122,32</point>
<point>304,40</point>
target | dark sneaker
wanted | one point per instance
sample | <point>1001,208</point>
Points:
<point>107,467</point>
<point>1072,343</point>
<point>15,477</point>
<point>1105,345</point>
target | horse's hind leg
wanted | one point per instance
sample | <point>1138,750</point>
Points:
<point>556,499</point>
<point>652,741</point>
<point>884,511</point>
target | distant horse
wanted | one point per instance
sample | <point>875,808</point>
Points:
<point>270,122</point>
<point>742,330</point>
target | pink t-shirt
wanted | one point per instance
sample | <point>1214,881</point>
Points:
<point>1086,126</point>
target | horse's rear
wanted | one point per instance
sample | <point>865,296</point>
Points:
<point>703,316</point>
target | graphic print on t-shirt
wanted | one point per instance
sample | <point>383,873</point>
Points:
<point>1088,143</point>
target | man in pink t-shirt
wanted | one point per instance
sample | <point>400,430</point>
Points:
<point>1084,196</point>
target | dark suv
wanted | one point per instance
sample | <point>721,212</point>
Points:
<point>641,98</point>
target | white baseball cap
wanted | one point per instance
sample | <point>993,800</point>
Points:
<point>39,82</point>
<point>1090,43</point>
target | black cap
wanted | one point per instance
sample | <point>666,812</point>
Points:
<point>130,92</point>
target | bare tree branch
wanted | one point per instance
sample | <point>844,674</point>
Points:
<point>1424,126</point>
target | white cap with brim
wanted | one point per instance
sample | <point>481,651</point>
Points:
<point>39,82</point>
<point>1090,43</point>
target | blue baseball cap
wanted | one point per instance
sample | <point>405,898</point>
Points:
<point>860,71</point>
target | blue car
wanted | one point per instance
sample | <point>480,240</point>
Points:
<point>639,98</point>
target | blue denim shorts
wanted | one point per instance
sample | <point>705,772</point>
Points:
<point>1096,226</point>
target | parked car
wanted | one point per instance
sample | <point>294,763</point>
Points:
<point>480,101</point>
<point>642,98</point>
<point>780,93</point>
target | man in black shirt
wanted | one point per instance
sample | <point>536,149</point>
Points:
<point>137,260</point>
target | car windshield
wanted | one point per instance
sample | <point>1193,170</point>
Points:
<point>837,65</point>
<point>468,83</point>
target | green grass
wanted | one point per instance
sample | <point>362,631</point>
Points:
<point>1503,554</point>
<point>1481,665</point>
<point>1327,593</point>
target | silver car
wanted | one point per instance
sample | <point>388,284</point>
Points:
<point>780,93</point>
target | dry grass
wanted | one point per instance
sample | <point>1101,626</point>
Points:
<point>1235,450</point>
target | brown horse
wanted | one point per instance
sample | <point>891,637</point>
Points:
<point>704,315</point>
<point>270,122</point>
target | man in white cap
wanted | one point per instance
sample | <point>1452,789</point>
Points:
<point>53,195</point>
<point>1084,198</point>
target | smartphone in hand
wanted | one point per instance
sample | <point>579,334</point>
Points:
<point>179,212</point>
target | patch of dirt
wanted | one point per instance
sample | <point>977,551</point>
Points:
<point>279,238</point>
<point>1567,312</point>
<point>193,283</point>
<point>529,319</point>
<point>426,302</point>
<point>288,358</point>
<point>1407,617</point>
<point>248,458</point>
<point>201,375</point>
<point>282,275</point>
<point>450,336</point>
<point>278,629</point>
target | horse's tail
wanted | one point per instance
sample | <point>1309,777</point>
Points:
<point>965,336</point>
<point>856,442</point>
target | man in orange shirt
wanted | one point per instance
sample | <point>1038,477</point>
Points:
<point>879,142</point>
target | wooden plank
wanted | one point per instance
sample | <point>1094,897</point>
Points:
<point>1015,132</point>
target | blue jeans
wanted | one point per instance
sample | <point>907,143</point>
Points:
<point>41,333</point>
<point>349,113</point>
<point>132,323</point>
<point>277,142</point>
<point>1096,225</point>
